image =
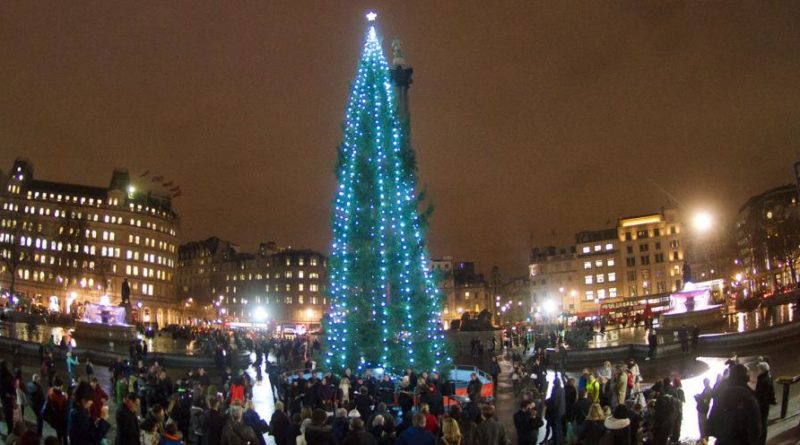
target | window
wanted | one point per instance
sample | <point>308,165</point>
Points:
<point>630,261</point>
<point>629,249</point>
<point>587,264</point>
<point>288,261</point>
<point>300,274</point>
<point>609,246</point>
<point>588,279</point>
<point>313,261</point>
<point>632,291</point>
<point>600,278</point>
<point>658,245</point>
<point>641,234</point>
<point>288,274</point>
<point>628,236</point>
<point>586,249</point>
<point>313,287</point>
<point>288,287</point>
<point>288,300</point>
<point>656,232</point>
<point>590,295</point>
<point>598,263</point>
<point>610,262</point>
<point>300,287</point>
<point>300,299</point>
<point>612,277</point>
<point>659,258</point>
<point>612,292</point>
<point>631,275</point>
<point>601,294</point>
<point>597,248</point>
<point>645,260</point>
<point>644,247</point>
<point>675,256</point>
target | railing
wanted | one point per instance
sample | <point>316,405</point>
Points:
<point>787,382</point>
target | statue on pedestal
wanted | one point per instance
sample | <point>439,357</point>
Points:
<point>126,300</point>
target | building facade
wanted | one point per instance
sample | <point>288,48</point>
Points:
<point>280,285</point>
<point>463,289</point>
<point>768,240</point>
<point>63,244</point>
<point>617,271</point>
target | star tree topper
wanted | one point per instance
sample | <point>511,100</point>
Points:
<point>371,16</point>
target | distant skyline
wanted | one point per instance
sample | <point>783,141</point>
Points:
<point>527,119</point>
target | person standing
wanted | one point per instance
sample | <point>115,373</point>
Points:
<point>82,429</point>
<point>416,434</point>
<point>490,431</point>
<point>652,344</point>
<point>735,415</point>
<point>527,423</point>
<point>36,400</point>
<point>8,393</point>
<point>703,405</point>
<point>765,394</point>
<point>127,421</point>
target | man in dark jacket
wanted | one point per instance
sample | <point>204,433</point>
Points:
<point>474,387</point>
<point>490,431</point>
<point>36,400</point>
<point>318,433</point>
<point>127,422</point>
<point>235,431</point>
<point>765,395</point>
<point>416,434</point>
<point>82,429</point>
<point>735,416</point>
<point>527,423</point>
<point>278,424</point>
<point>212,423</point>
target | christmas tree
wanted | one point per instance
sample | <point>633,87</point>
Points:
<point>385,307</point>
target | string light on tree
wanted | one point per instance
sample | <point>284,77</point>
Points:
<point>386,308</point>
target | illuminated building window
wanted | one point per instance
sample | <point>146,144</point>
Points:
<point>587,249</point>
<point>610,262</point>
<point>313,261</point>
<point>600,278</point>
<point>313,287</point>
<point>300,287</point>
<point>587,264</point>
<point>288,287</point>
<point>300,262</point>
<point>601,294</point>
<point>612,292</point>
<point>288,300</point>
<point>588,279</point>
<point>589,295</point>
<point>612,277</point>
<point>300,299</point>
<point>288,261</point>
<point>598,263</point>
<point>609,246</point>
<point>597,248</point>
<point>300,274</point>
<point>289,274</point>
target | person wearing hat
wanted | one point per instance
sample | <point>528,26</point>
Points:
<point>735,415</point>
<point>618,427</point>
<point>765,394</point>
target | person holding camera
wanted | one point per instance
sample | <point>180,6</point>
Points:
<point>527,422</point>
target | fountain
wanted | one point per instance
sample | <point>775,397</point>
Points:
<point>692,306</point>
<point>105,322</point>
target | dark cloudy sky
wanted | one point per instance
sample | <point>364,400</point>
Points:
<point>528,117</point>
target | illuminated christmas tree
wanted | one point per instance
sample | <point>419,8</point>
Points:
<point>386,309</point>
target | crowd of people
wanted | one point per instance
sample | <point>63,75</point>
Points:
<point>155,406</point>
<point>610,405</point>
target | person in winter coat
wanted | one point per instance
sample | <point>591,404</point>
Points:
<point>279,423</point>
<point>128,432</point>
<point>618,427</point>
<point>171,435</point>
<point>592,430</point>
<point>416,434</point>
<point>765,395</point>
<point>55,410</point>
<point>212,423</point>
<point>8,393</point>
<point>735,416</point>
<point>490,431</point>
<point>235,432</point>
<point>35,395</point>
<point>195,435</point>
<point>527,423</point>
<point>318,433</point>
<point>703,402</point>
<point>254,421</point>
<point>621,384</point>
<point>82,429</point>
<point>339,426</point>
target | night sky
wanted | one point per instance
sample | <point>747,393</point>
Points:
<point>530,119</point>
